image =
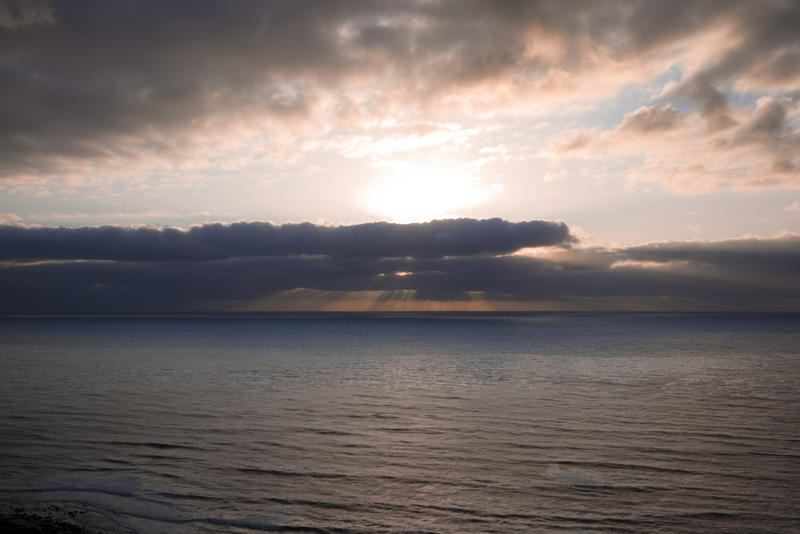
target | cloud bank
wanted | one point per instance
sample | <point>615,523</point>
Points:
<point>435,239</point>
<point>458,263</point>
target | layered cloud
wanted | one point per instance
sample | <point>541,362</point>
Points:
<point>93,84</point>
<point>462,264</point>
<point>435,239</point>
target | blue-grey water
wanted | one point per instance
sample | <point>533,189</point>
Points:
<point>447,424</point>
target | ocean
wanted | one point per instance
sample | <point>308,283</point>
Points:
<point>448,423</point>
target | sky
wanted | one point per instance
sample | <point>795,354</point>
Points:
<point>176,156</point>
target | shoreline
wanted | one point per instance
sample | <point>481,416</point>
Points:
<point>57,517</point>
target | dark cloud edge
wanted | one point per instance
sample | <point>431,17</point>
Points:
<point>438,238</point>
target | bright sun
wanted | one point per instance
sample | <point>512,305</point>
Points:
<point>414,193</point>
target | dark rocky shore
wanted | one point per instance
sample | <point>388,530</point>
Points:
<point>55,518</point>
<point>19,521</point>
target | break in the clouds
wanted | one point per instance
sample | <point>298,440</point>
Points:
<point>87,88</point>
<point>461,264</point>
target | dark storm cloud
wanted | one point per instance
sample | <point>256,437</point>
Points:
<point>759,270</point>
<point>95,80</point>
<point>448,237</point>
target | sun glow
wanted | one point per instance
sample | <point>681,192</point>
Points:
<point>415,193</point>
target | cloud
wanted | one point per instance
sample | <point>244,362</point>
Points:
<point>651,119</point>
<point>94,83</point>
<point>448,237</point>
<point>645,124</point>
<point>746,273</point>
<point>577,140</point>
<point>768,128</point>
<point>767,255</point>
<point>760,151</point>
<point>761,42</point>
<point>24,14</point>
<point>9,218</point>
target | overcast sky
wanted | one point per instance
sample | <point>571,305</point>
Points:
<point>575,155</point>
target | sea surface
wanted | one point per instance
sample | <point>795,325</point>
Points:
<point>407,423</point>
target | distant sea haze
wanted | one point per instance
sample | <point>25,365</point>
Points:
<point>359,423</point>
